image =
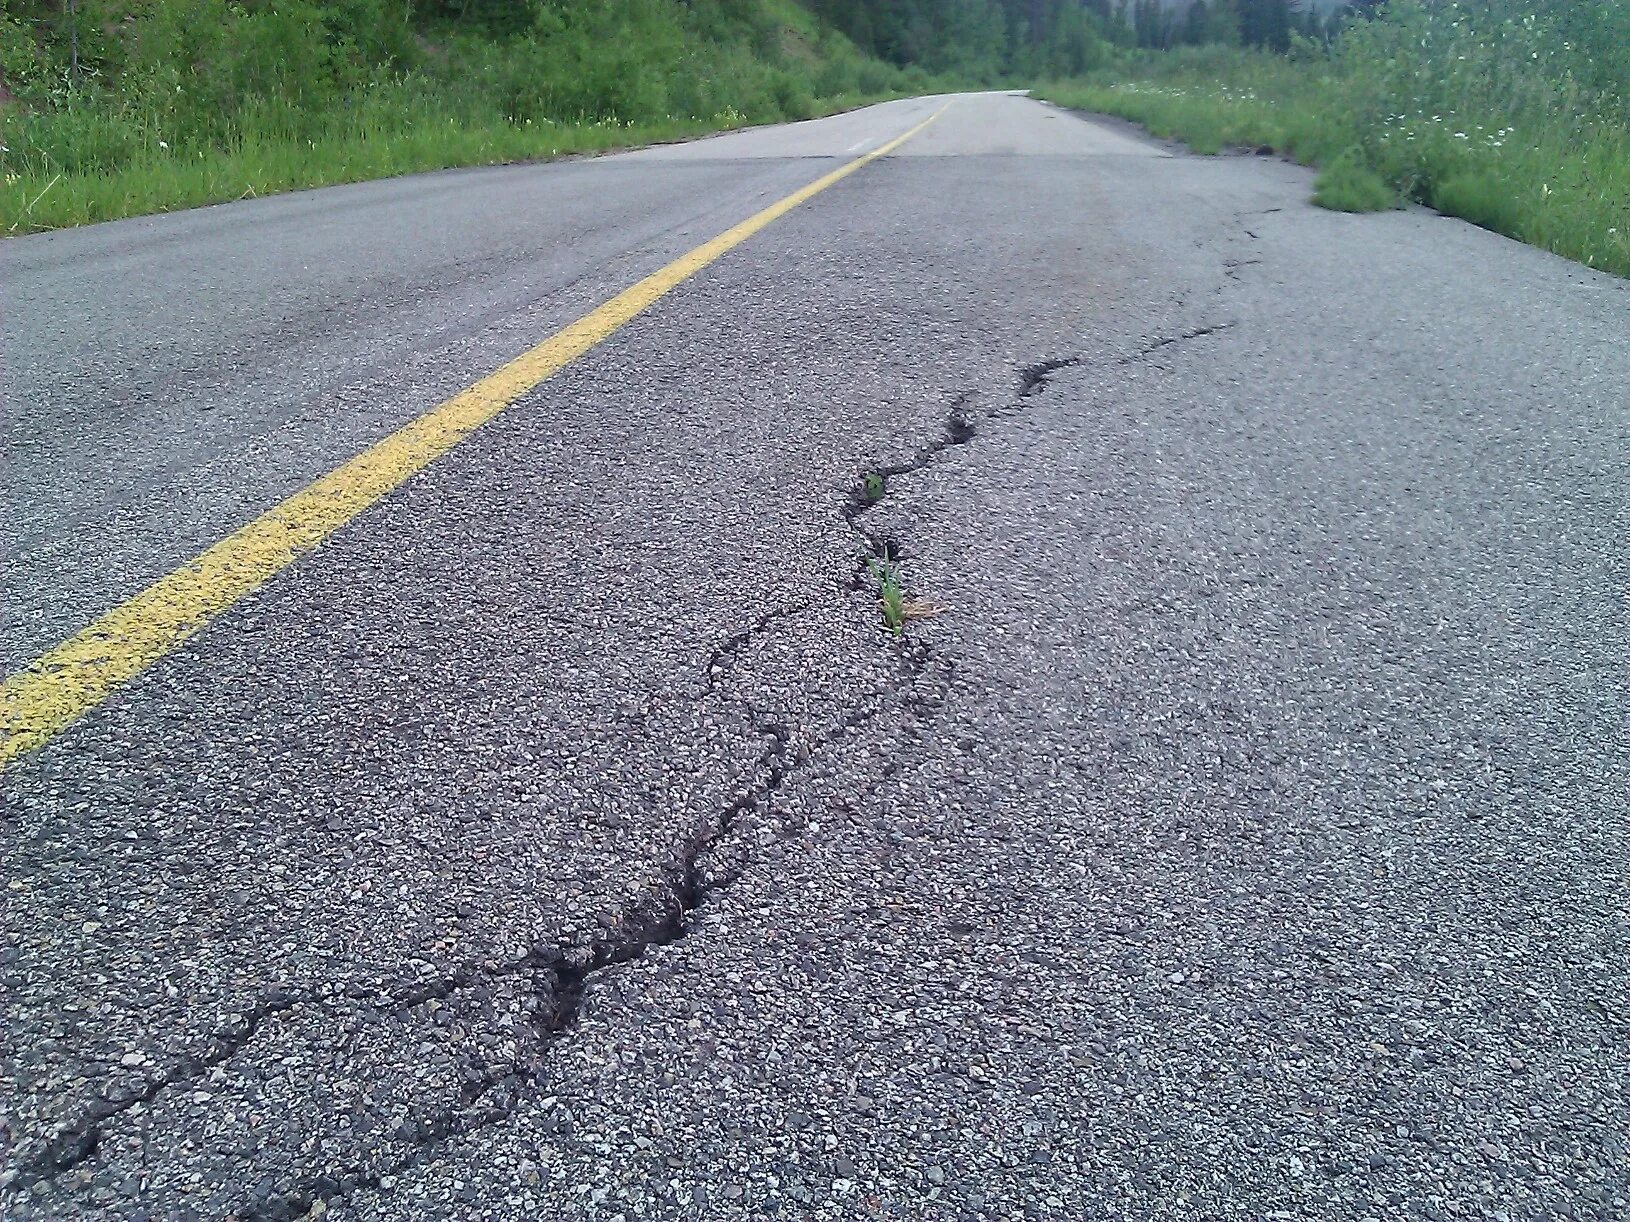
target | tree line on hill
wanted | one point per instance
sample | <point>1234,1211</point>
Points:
<point>55,46</point>
<point>994,39</point>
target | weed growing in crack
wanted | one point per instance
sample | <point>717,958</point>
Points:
<point>891,595</point>
<point>880,563</point>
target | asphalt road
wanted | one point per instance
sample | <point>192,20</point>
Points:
<point>1246,838</point>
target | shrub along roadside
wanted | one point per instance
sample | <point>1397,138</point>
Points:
<point>1487,112</point>
<point>252,165</point>
<point>173,103</point>
<point>1348,185</point>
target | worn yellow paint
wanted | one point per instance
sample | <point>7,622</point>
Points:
<point>63,685</point>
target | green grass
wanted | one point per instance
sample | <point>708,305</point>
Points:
<point>47,196</point>
<point>891,595</point>
<point>1349,185</point>
<point>175,103</point>
<point>1518,121</point>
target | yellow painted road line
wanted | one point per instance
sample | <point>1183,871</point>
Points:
<point>63,685</point>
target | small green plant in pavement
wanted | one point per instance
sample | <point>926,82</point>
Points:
<point>891,595</point>
<point>874,486</point>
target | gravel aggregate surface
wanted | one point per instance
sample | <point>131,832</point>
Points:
<point>1245,836</point>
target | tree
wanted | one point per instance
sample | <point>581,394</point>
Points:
<point>1195,22</point>
<point>1266,23</point>
<point>1073,46</point>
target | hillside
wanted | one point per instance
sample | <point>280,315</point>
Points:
<point>114,107</point>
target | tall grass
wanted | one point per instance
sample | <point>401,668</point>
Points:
<point>1515,116</point>
<point>184,102</point>
<point>375,144</point>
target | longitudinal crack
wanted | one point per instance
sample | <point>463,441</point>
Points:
<point>726,652</point>
<point>1033,379</point>
<point>558,978</point>
<point>561,978</point>
<point>1167,341</point>
<point>957,430</point>
<point>78,1140</point>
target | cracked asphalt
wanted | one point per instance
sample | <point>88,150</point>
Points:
<point>565,838</point>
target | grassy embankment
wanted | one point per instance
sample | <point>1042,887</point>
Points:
<point>176,103</point>
<point>1515,116</point>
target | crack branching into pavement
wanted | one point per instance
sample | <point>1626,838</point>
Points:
<point>562,977</point>
<point>1155,346</point>
<point>1241,217</point>
<point>558,977</point>
<point>726,652</point>
<point>1034,378</point>
<point>79,1139</point>
<point>957,430</point>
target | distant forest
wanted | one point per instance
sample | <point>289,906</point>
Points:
<point>990,39</point>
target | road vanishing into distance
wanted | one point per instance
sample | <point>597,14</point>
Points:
<point>561,834</point>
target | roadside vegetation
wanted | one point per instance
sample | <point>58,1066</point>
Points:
<point>117,107</point>
<point>113,108</point>
<point>1513,115</point>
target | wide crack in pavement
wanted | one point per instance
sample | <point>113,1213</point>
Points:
<point>552,979</point>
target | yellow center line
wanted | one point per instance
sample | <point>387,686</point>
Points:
<point>64,684</point>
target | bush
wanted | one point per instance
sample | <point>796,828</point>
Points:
<point>1481,198</point>
<point>792,99</point>
<point>184,101</point>
<point>80,139</point>
<point>1349,185</point>
<point>24,67</point>
<point>874,77</point>
<point>1514,114</point>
